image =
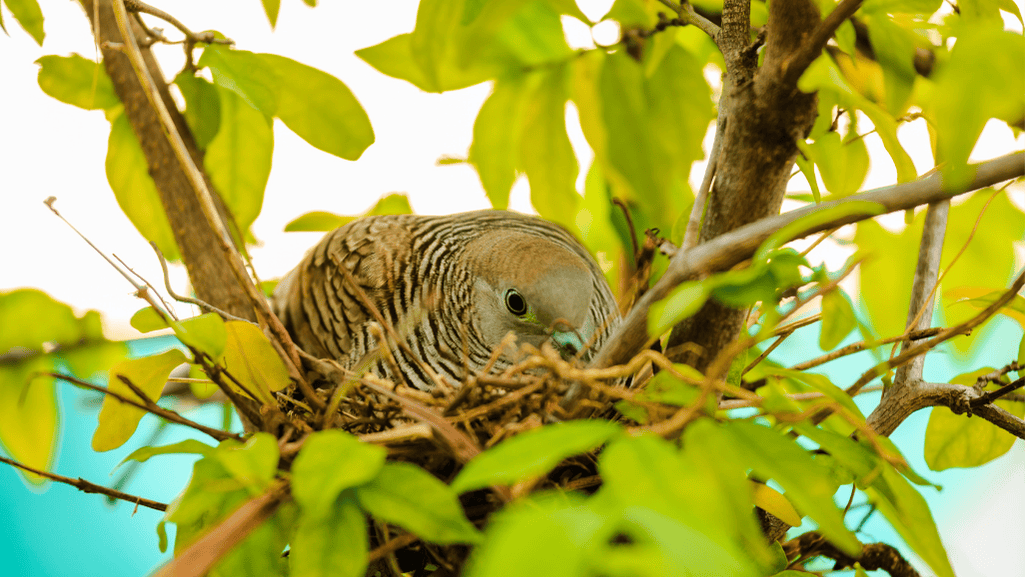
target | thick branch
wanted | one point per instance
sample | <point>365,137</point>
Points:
<point>87,487</point>
<point>814,45</point>
<point>732,248</point>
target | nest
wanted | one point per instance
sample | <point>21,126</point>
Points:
<point>441,429</point>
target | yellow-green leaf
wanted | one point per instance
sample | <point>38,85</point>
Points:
<point>119,420</point>
<point>330,462</point>
<point>837,319</point>
<point>334,543</point>
<point>77,81</point>
<point>28,414</point>
<point>28,14</point>
<point>136,194</point>
<point>496,137</point>
<point>252,360</point>
<point>776,503</point>
<point>205,333</point>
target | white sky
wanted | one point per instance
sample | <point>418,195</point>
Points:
<point>50,148</point>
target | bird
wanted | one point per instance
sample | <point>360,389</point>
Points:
<point>456,283</point>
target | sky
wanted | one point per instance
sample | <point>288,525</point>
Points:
<point>50,148</point>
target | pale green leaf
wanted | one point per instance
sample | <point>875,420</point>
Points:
<point>496,137</point>
<point>838,319</point>
<point>415,500</point>
<point>134,190</point>
<point>683,302</point>
<point>320,109</point>
<point>205,333</point>
<point>238,159</point>
<point>271,8</point>
<point>317,221</point>
<point>532,454</point>
<point>77,81</point>
<point>28,414</point>
<point>118,420</point>
<point>545,151</point>
<point>147,320</point>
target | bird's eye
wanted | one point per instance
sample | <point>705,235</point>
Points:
<point>515,303</point>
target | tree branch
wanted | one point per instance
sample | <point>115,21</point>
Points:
<point>733,247</point>
<point>810,50</point>
<point>87,487</point>
<point>149,406</point>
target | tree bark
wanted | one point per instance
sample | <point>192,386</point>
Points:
<point>764,117</point>
<point>208,268</point>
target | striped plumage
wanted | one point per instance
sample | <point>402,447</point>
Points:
<point>457,283</point>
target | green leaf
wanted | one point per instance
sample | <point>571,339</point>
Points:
<point>202,106</point>
<point>561,532</point>
<point>415,500</point>
<point>907,511</point>
<point>28,14</point>
<point>683,302</point>
<point>77,81</point>
<point>532,454</point>
<point>496,137</point>
<point>134,190</point>
<point>253,463</point>
<point>188,446</point>
<point>238,159</point>
<point>546,153</point>
<point>902,6</point>
<point>28,414</point>
<point>824,75</point>
<point>808,484</point>
<point>838,319</point>
<point>118,420</point>
<point>895,48</point>
<point>843,165</point>
<point>246,74</point>
<point>251,359</point>
<point>330,462</point>
<point>271,8</point>
<point>320,109</point>
<point>334,543</point>
<point>982,79</point>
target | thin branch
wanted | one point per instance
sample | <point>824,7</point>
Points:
<point>862,345</point>
<point>812,48</point>
<point>725,251</point>
<point>203,306</point>
<point>697,212</point>
<point>148,406</point>
<point>206,37</point>
<point>688,15</point>
<point>87,487</point>
<point>1003,419</point>
<point>990,396</point>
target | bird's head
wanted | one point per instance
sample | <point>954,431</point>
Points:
<point>533,287</point>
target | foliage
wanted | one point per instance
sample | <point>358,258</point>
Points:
<point>644,110</point>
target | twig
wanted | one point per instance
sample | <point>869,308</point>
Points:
<point>990,396</point>
<point>149,285</point>
<point>147,405</point>
<point>688,15</point>
<point>862,345</point>
<point>697,211</point>
<point>873,556</point>
<point>87,487</point>
<point>392,546</point>
<point>204,306</point>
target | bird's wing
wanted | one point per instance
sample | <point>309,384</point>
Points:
<point>327,310</point>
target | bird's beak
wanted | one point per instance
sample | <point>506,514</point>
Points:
<point>569,343</point>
